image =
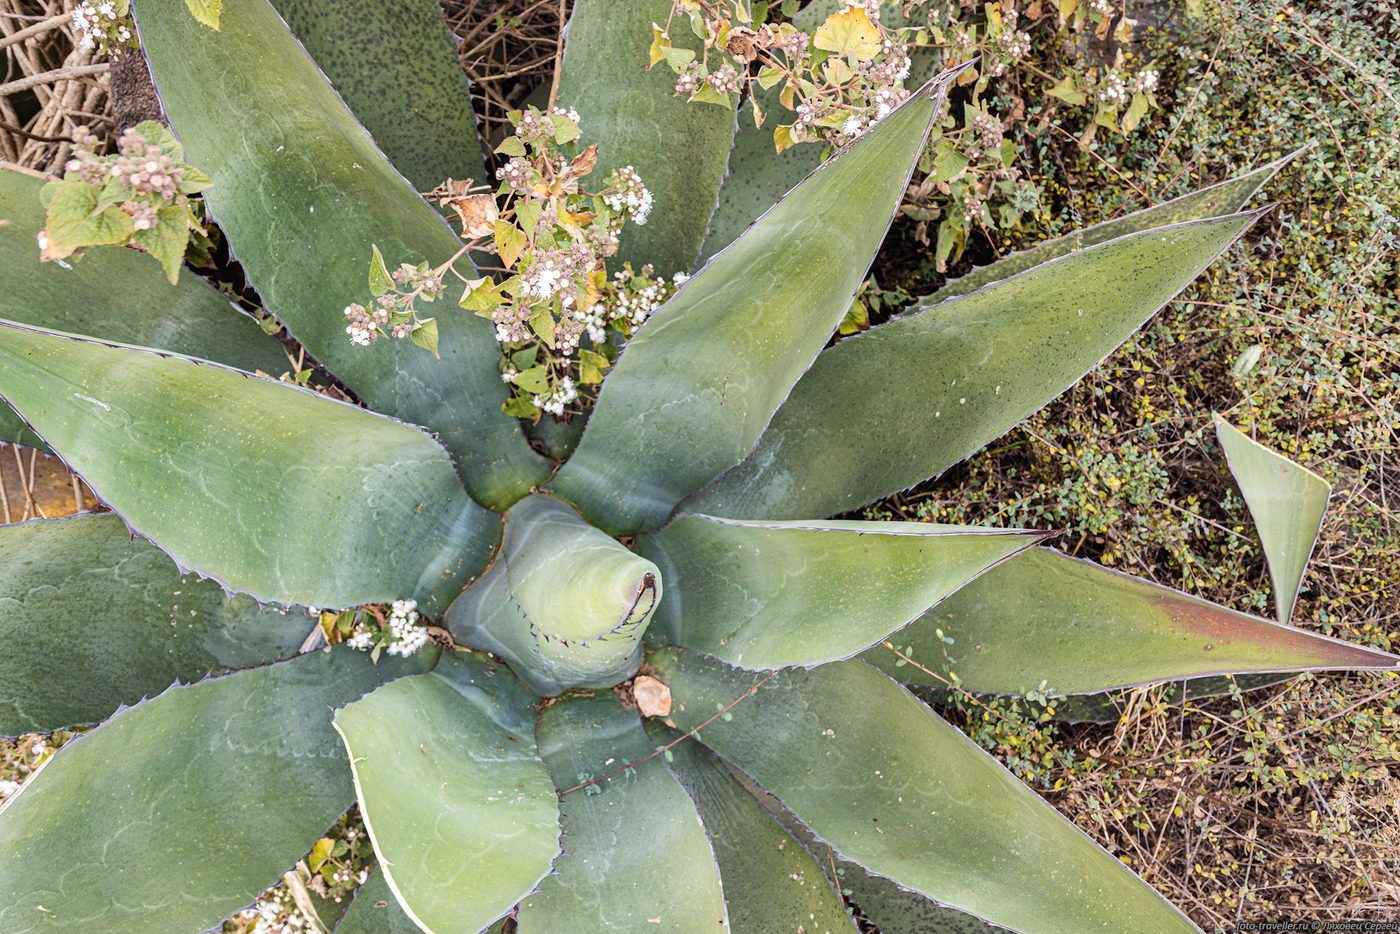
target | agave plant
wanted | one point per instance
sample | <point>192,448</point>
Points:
<point>664,694</point>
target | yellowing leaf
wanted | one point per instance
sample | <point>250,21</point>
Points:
<point>320,853</point>
<point>510,241</point>
<point>782,138</point>
<point>206,11</point>
<point>660,42</point>
<point>849,32</point>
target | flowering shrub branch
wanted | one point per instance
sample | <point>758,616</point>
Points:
<point>554,306</point>
<point>138,196</point>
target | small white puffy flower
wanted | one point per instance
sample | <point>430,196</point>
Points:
<point>852,126</point>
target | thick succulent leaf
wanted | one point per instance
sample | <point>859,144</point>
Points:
<point>1079,627</point>
<point>302,194</point>
<point>115,294</point>
<point>394,63</point>
<point>1227,197</point>
<point>758,175</point>
<point>881,778</point>
<point>636,857</point>
<point>955,376</point>
<point>771,883</point>
<point>91,619</point>
<point>679,149</point>
<point>901,911</point>
<point>775,594</point>
<point>179,811</point>
<point>702,377</point>
<point>461,811</point>
<point>1287,501</point>
<point>563,603</point>
<point>272,489</point>
<point>375,910</point>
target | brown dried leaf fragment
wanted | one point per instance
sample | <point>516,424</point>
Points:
<point>653,697</point>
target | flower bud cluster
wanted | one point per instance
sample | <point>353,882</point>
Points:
<point>137,164</point>
<point>393,312</point>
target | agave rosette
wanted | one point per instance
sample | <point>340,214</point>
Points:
<point>518,783</point>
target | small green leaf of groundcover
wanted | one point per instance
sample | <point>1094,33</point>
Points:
<point>114,622</point>
<point>636,858</point>
<point>166,240</point>
<point>1044,616</point>
<point>1287,502</point>
<point>337,488</point>
<point>775,594</point>
<point>461,810</point>
<point>220,785</point>
<point>425,335</point>
<point>888,784</point>
<point>983,362</point>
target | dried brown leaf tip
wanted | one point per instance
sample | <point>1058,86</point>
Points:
<point>583,163</point>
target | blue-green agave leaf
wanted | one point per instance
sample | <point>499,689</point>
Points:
<point>115,294</point>
<point>177,812</point>
<point>770,880</point>
<point>394,63</point>
<point>757,174</point>
<point>91,619</point>
<point>678,148</point>
<point>982,362</point>
<point>777,594</point>
<point>461,811</point>
<point>376,910</point>
<point>1077,627</point>
<point>563,603</point>
<point>1287,501</point>
<point>272,489</point>
<point>699,381</point>
<point>882,779</point>
<point>635,854</point>
<point>302,194</point>
<point>1217,200</point>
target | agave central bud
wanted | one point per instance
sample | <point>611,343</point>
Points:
<point>564,603</point>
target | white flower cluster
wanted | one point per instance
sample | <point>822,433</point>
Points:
<point>406,634</point>
<point>554,403</point>
<point>629,194</point>
<point>276,913</point>
<point>8,789</point>
<point>1113,90</point>
<point>1146,80</point>
<point>101,25</point>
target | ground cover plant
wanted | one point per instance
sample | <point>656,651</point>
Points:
<point>543,534</point>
